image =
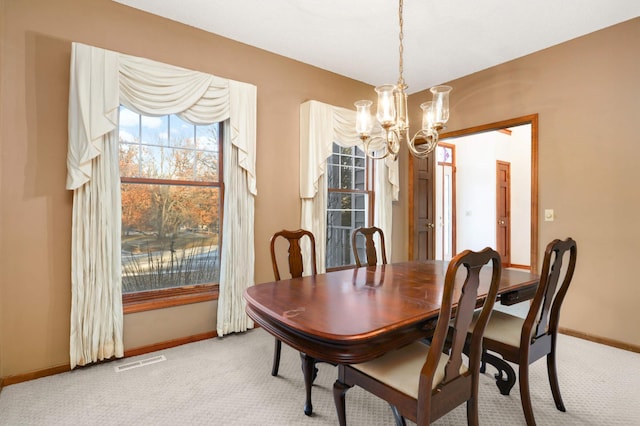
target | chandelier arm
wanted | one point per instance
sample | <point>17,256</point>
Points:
<point>393,141</point>
<point>366,141</point>
<point>430,138</point>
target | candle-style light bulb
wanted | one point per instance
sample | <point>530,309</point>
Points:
<point>364,120</point>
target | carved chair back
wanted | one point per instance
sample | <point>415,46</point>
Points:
<point>370,247</point>
<point>295,260</point>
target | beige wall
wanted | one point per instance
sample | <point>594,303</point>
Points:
<point>585,186</point>
<point>587,95</point>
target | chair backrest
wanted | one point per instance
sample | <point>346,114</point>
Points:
<point>370,246</point>
<point>457,387</point>
<point>544,312</point>
<point>296,264</point>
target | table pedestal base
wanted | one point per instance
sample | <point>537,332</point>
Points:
<point>505,377</point>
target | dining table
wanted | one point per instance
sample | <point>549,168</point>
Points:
<point>354,315</point>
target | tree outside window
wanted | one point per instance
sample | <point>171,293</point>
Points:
<point>349,202</point>
<point>171,186</point>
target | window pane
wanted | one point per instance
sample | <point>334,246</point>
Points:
<point>346,159</point>
<point>129,130</point>
<point>170,236</point>
<point>345,212</point>
<point>346,201</point>
<point>338,247</point>
<point>182,163</point>
<point>150,161</point>
<point>334,218</point>
<point>346,219</point>
<point>129,160</point>
<point>360,179</point>
<point>207,166</point>
<point>181,133</point>
<point>333,176</point>
<point>444,154</point>
<point>334,201</point>
<point>154,130</point>
<point>346,177</point>
<point>207,137</point>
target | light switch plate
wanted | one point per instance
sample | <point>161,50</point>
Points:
<point>548,215</point>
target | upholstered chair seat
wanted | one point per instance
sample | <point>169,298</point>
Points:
<point>400,369</point>
<point>502,327</point>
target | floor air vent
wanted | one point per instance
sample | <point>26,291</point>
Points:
<point>140,363</point>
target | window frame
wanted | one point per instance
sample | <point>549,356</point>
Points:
<point>175,296</point>
<point>369,191</point>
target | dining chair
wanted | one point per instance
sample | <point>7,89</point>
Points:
<point>419,381</point>
<point>296,268</point>
<point>370,246</point>
<point>525,340</point>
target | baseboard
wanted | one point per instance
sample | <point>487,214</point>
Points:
<point>170,344</point>
<point>603,340</point>
<point>516,266</point>
<point>12,380</point>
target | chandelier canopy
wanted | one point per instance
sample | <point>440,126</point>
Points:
<point>391,116</point>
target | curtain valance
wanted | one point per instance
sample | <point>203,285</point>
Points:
<point>320,126</point>
<point>151,88</point>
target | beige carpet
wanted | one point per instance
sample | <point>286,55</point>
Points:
<point>228,382</point>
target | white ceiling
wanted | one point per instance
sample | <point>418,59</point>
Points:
<point>443,40</point>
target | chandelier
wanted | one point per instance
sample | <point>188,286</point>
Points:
<point>391,116</point>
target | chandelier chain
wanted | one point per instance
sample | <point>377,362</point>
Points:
<point>401,48</point>
<point>393,119</point>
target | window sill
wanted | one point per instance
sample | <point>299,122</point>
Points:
<point>341,268</point>
<point>158,299</point>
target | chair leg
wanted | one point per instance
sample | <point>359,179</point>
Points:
<point>276,358</point>
<point>308,367</point>
<point>339,391</point>
<point>472,411</point>
<point>552,371</point>
<point>525,397</point>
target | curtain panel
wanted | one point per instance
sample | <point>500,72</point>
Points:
<point>320,126</point>
<point>100,81</point>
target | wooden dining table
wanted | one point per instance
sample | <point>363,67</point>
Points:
<point>355,315</point>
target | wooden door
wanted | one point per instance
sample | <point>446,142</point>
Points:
<point>503,211</point>
<point>422,197</point>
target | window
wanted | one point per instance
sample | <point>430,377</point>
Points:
<point>172,192</point>
<point>349,202</point>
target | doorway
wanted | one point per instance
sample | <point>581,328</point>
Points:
<point>445,201</point>
<point>473,222</point>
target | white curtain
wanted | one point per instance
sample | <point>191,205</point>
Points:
<point>100,81</point>
<point>320,126</point>
<point>238,255</point>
